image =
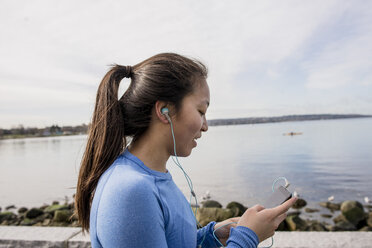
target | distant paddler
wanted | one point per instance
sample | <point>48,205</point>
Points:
<point>291,134</point>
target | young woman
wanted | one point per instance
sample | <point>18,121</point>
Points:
<point>125,195</point>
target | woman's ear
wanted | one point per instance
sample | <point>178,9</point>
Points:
<point>159,105</point>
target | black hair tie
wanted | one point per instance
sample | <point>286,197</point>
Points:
<point>128,70</point>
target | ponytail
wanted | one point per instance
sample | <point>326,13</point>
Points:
<point>106,140</point>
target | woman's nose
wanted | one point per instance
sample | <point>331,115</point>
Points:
<point>205,125</point>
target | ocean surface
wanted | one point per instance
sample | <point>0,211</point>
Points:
<point>233,163</point>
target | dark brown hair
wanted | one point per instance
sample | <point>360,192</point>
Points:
<point>164,77</point>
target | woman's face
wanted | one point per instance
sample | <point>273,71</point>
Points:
<point>190,121</point>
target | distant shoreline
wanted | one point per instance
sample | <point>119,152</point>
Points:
<point>286,118</point>
<point>215,122</point>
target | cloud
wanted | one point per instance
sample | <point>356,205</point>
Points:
<point>344,59</point>
<point>55,53</point>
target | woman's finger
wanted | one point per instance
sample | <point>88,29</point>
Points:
<point>284,207</point>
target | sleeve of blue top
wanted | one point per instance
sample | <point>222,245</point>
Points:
<point>131,217</point>
<point>240,237</point>
<point>205,236</point>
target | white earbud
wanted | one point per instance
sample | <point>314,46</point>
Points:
<point>165,112</point>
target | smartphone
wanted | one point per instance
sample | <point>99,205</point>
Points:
<point>279,196</point>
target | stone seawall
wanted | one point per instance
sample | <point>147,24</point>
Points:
<point>67,237</point>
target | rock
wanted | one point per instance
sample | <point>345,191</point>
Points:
<point>55,203</point>
<point>316,227</point>
<point>62,215</point>
<point>51,209</point>
<point>293,213</point>
<point>353,211</point>
<point>369,220</point>
<point>10,207</point>
<point>365,229</point>
<point>369,206</point>
<point>330,205</point>
<point>295,223</point>
<point>236,205</point>
<point>7,216</point>
<point>343,226</point>
<point>326,215</point>
<point>44,206</point>
<point>211,204</point>
<point>22,210</point>
<point>71,205</point>
<point>27,222</point>
<point>206,215</point>
<point>311,210</point>
<point>300,203</point>
<point>75,224</point>
<point>339,218</point>
<point>33,213</point>
<point>46,222</point>
<point>40,219</point>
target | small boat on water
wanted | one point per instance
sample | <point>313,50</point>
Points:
<point>291,134</point>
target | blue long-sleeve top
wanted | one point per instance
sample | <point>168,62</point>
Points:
<point>134,206</point>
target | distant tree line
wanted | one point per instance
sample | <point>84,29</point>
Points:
<point>55,130</point>
<point>20,131</point>
<point>257,120</point>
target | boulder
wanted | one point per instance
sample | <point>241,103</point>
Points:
<point>62,215</point>
<point>300,203</point>
<point>10,207</point>
<point>316,227</point>
<point>339,218</point>
<point>343,226</point>
<point>44,206</point>
<point>51,209</point>
<point>22,210</point>
<point>353,211</point>
<point>369,206</point>
<point>330,205</point>
<point>293,213</point>
<point>295,223</point>
<point>311,210</point>
<point>46,222</point>
<point>206,215</point>
<point>369,219</point>
<point>237,207</point>
<point>33,213</point>
<point>7,216</point>
<point>211,204</point>
<point>365,229</point>
<point>27,222</point>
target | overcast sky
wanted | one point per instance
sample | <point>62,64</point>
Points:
<point>266,58</point>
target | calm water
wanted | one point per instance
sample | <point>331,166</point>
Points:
<point>235,163</point>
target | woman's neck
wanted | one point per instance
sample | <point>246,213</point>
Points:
<point>151,152</point>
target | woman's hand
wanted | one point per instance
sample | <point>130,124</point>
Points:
<point>223,233</point>
<point>263,221</point>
